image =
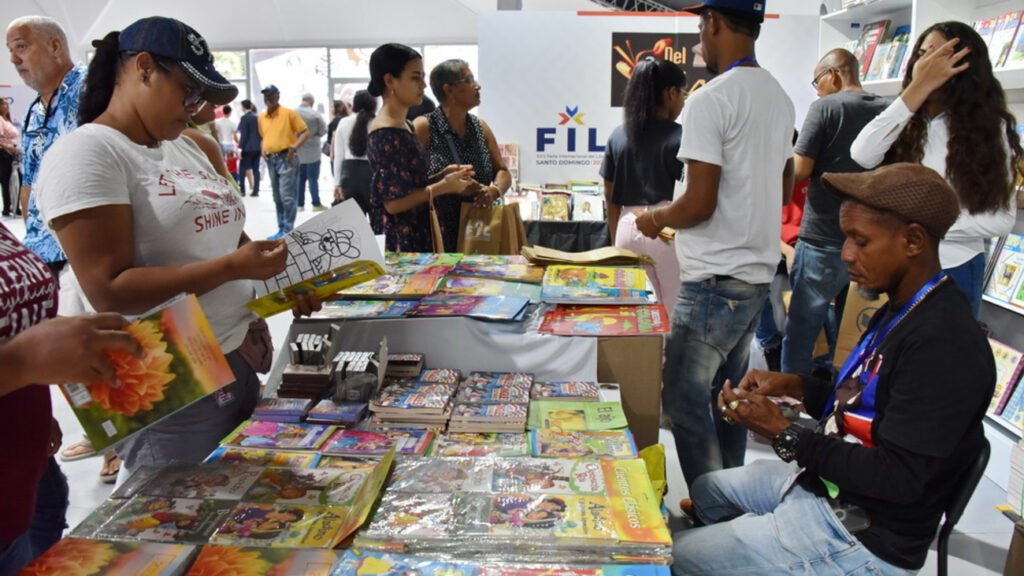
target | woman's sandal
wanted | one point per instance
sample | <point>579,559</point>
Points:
<point>78,451</point>
<point>111,468</point>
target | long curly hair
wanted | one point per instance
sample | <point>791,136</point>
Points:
<point>977,166</point>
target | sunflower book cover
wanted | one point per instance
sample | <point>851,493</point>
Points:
<point>328,253</point>
<point>80,557</point>
<point>181,363</point>
<point>261,457</point>
<point>252,561</point>
<point>570,320</point>
<point>160,519</point>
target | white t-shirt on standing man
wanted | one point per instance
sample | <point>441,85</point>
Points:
<point>182,210</point>
<point>743,121</point>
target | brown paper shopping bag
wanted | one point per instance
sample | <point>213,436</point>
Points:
<point>480,229</point>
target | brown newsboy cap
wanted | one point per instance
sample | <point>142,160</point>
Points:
<point>911,191</point>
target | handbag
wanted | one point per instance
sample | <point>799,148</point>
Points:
<point>481,229</point>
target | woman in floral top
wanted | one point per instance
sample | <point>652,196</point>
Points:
<point>400,186</point>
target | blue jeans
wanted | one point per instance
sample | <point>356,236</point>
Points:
<point>309,172</point>
<point>819,275</point>
<point>710,341</point>
<point>283,175</point>
<point>970,278</point>
<point>754,525</point>
<point>48,522</point>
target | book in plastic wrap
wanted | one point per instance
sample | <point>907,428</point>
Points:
<point>511,272</point>
<point>261,457</point>
<point>597,285</point>
<point>547,443</point>
<point>480,445</point>
<point>440,375</point>
<point>81,557</point>
<point>365,562</point>
<point>252,561</point>
<point>159,519</point>
<point>414,397</point>
<point>321,486</point>
<point>282,525</point>
<point>570,320</point>
<point>181,363</point>
<point>220,481</point>
<point>466,286</point>
<point>570,390</point>
<point>348,462</point>
<point>330,252</point>
<point>363,309</point>
<point>580,416</point>
<point>278,435</point>
<point>399,263</point>
<point>366,443</point>
<point>485,392</point>
<point>496,308</point>
<point>97,518</point>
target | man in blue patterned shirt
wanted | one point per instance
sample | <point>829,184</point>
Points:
<point>39,51</point>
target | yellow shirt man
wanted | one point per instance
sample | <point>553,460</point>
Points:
<point>279,130</point>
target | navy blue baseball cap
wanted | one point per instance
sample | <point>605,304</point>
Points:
<point>177,41</point>
<point>270,88</point>
<point>749,9</point>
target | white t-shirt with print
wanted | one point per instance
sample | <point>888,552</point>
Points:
<point>183,211</point>
<point>742,121</point>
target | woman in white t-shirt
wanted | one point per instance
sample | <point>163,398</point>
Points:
<point>144,216</point>
<point>952,117</point>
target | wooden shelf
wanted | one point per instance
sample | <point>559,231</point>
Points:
<point>869,12</point>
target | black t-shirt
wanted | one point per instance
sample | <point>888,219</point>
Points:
<point>832,124</point>
<point>936,377</point>
<point>645,172</point>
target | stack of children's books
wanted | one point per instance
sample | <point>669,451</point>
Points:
<point>282,409</point>
<point>597,285</point>
<point>404,263</point>
<point>278,435</point>
<point>529,509</point>
<point>492,402</point>
<point>346,414</point>
<point>579,391</point>
<point>571,320</point>
<point>425,402</point>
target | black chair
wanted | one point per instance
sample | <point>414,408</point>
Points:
<point>958,503</point>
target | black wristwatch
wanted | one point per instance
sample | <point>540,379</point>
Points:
<point>786,442</point>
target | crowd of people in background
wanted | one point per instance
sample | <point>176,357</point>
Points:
<point>899,197</point>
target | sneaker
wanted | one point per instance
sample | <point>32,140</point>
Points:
<point>254,194</point>
<point>319,208</point>
<point>280,234</point>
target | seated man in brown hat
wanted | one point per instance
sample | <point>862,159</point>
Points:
<point>865,492</point>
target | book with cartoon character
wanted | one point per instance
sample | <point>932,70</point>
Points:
<point>366,443</point>
<point>395,287</point>
<point>261,457</point>
<point>278,435</point>
<point>368,562</point>
<point>480,445</point>
<point>282,525</point>
<point>576,416</point>
<point>421,262</point>
<point>330,252</point>
<point>220,481</point>
<point>467,286</point>
<point>597,285</point>
<point>569,320</point>
<point>321,486</point>
<point>575,390</point>
<point>161,519</point>
<point>547,443</point>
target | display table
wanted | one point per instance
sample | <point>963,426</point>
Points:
<point>633,362</point>
<point>567,236</point>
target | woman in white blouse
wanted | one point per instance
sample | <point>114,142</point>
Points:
<point>952,117</point>
<point>351,170</point>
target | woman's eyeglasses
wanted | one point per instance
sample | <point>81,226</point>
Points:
<point>193,95</point>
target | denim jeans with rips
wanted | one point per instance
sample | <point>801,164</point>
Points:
<point>710,342</point>
<point>283,180</point>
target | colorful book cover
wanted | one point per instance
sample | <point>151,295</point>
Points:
<point>337,412</point>
<point>596,284</point>
<point>239,560</point>
<point>80,557</point>
<point>878,62</point>
<point>366,562</point>
<point>466,286</point>
<point>554,206</point>
<point>493,259</point>
<point>278,435</point>
<point>507,308</point>
<point>986,28</point>
<point>576,416</point>
<point>493,393</point>
<point>546,443</point>
<point>1004,284</point>
<point>570,517</point>
<point>489,412</point>
<point>1008,372</point>
<point>440,476</point>
<point>1013,412</point>
<point>399,263</point>
<point>181,363</point>
<point>389,287</point>
<point>260,457</point>
<point>440,375</point>
<point>158,519</point>
<point>97,518</point>
<point>282,526</point>
<point>577,391</point>
<point>348,462</point>
<point>636,511</point>
<point>328,253</point>
<point>414,395</point>
<point>363,309</point>
<point>512,272</point>
<point>322,486</point>
<point>287,405</point>
<point>587,207</point>
<point>872,35</point>
<point>1015,56</point>
<point>570,320</point>
<point>499,379</point>
<point>469,445</point>
<point>1002,38</point>
<point>220,481</point>
<point>365,443</point>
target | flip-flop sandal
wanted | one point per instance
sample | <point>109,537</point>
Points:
<point>110,477</point>
<point>77,451</point>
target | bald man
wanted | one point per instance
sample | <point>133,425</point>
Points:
<point>818,276</point>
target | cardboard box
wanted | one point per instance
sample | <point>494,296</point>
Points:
<point>634,362</point>
<point>856,315</point>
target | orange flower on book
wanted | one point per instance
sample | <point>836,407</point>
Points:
<point>227,561</point>
<point>142,379</point>
<point>72,557</point>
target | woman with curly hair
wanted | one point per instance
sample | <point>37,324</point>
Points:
<point>949,117</point>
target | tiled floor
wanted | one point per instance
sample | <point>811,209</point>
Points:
<point>978,547</point>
